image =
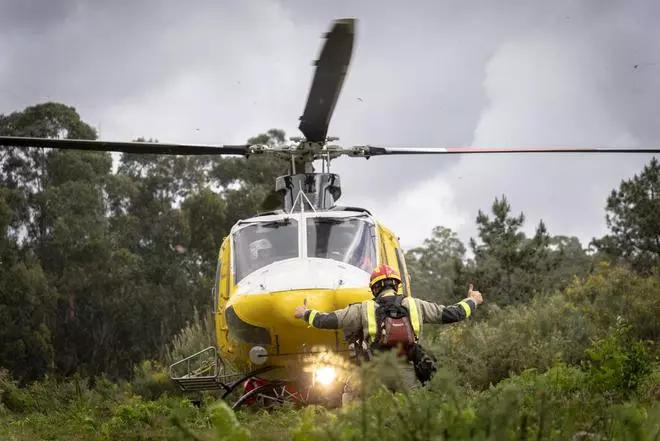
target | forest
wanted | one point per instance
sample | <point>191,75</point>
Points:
<point>106,273</point>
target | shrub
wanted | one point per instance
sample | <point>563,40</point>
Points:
<point>196,336</point>
<point>617,365</point>
<point>151,380</point>
<point>557,327</point>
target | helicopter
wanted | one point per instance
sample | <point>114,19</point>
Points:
<point>310,250</point>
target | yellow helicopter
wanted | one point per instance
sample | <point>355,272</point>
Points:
<point>310,250</point>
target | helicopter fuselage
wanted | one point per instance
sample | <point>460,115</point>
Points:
<point>270,264</point>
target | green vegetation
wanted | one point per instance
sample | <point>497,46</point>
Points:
<point>105,279</point>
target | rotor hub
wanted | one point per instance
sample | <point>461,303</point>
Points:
<point>310,150</point>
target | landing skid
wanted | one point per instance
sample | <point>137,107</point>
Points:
<point>272,394</point>
<point>205,371</point>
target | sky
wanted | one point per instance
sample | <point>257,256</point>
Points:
<point>424,74</point>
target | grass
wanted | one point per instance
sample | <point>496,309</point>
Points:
<point>580,364</point>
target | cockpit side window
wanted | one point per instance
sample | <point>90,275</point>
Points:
<point>343,239</point>
<point>262,243</point>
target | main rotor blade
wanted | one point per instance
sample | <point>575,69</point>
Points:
<point>381,151</point>
<point>125,147</point>
<point>331,68</point>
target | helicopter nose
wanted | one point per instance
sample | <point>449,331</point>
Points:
<point>269,297</point>
<point>320,300</point>
<point>277,310</point>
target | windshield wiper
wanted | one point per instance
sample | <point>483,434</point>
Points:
<point>275,223</point>
<point>338,220</point>
<point>329,220</point>
<point>267,224</point>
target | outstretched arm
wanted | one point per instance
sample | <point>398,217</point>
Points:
<point>324,320</point>
<point>440,314</point>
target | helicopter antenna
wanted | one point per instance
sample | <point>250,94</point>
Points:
<point>299,200</point>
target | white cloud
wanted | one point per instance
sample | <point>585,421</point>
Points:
<point>413,213</point>
<point>540,90</point>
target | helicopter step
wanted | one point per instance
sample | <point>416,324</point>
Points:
<point>201,371</point>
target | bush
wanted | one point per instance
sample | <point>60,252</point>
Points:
<point>137,419</point>
<point>196,336</point>
<point>574,365</point>
<point>557,327</point>
<point>151,380</point>
<point>613,294</point>
<point>617,365</point>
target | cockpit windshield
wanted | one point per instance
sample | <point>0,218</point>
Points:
<point>348,240</point>
<point>262,243</point>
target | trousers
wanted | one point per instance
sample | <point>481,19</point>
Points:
<point>408,381</point>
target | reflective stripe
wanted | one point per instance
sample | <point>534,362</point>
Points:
<point>311,317</point>
<point>468,310</point>
<point>414,316</point>
<point>371,318</point>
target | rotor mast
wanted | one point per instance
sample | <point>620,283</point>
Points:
<point>304,189</point>
<point>319,191</point>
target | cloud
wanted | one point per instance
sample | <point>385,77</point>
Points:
<point>436,74</point>
<point>540,88</point>
<point>122,66</point>
<point>413,213</point>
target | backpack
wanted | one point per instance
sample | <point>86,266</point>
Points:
<point>393,326</point>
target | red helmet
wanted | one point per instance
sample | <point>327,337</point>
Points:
<point>382,272</point>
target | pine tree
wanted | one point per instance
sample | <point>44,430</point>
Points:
<point>510,266</point>
<point>633,217</point>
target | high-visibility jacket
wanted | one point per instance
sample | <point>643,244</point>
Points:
<point>360,319</point>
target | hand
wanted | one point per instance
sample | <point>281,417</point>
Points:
<point>301,310</point>
<point>475,295</point>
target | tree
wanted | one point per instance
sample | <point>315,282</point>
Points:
<point>510,266</point>
<point>435,267</point>
<point>54,204</point>
<point>25,168</point>
<point>26,347</point>
<point>633,217</point>
<point>570,259</point>
<point>249,184</point>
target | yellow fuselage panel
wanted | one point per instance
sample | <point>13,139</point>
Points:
<point>267,299</point>
<point>288,335</point>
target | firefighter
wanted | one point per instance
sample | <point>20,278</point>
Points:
<point>365,324</point>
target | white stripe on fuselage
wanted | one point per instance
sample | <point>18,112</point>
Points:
<point>310,273</point>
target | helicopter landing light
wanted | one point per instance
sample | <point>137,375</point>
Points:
<point>325,375</point>
<point>258,355</point>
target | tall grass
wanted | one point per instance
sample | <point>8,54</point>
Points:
<point>197,335</point>
<point>581,364</point>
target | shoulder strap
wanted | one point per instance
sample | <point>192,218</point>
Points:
<point>371,318</point>
<point>414,316</point>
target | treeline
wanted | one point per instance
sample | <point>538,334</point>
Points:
<point>513,268</point>
<point>100,268</point>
